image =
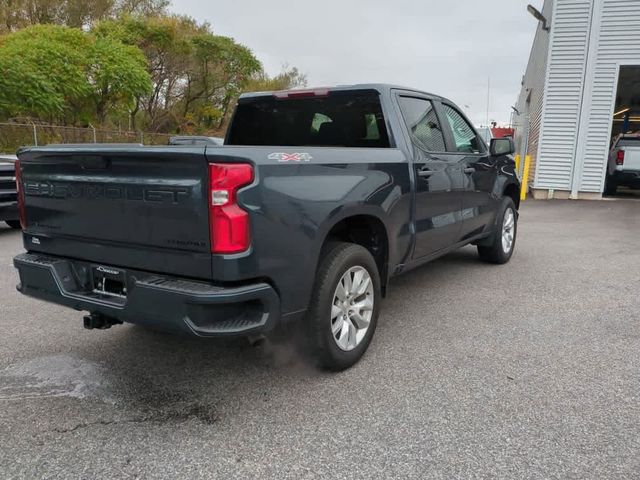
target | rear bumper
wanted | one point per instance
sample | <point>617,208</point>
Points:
<point>169,303</point>
<point>9,210</point>
<point>629,178</point>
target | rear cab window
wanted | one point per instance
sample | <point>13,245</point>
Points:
<point>629,142</point>
<point>349,118</point>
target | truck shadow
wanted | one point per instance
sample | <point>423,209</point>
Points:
<point>162,375</point>
<point>6,230</point>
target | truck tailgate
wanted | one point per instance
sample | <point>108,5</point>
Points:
<point>136,207</point>
<point>631,157</point>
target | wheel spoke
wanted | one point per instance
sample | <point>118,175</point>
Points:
<point>351,340</point>
<point>364,284</point>
<point>508,219</point>
<point>337,326</point>
<point>357,282</point>
<point>343,339</point>
<point>335,311</point>
<point>359,320</point>
<point>348,283</point>
<point>366,305</point>
<point>341,293</point>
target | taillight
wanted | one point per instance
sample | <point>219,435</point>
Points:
<point>229,224</point>
<point>620,158</point>
<point>21,208</point>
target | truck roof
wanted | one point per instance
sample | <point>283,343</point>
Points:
<point>383,88</point>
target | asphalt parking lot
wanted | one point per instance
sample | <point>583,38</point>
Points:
<point>529,370</point>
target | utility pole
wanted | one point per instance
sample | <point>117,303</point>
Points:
<point>488,98</point>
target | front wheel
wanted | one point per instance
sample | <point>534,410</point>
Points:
<point>504,238</point>
<point>344,309</point>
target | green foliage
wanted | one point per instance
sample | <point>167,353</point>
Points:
<point>42,71</point>
<point>196,75</point>
<point>117,75</point>
<point>16,14</point>
<point>51,72</point>
<point>154,71</point>
<point>285,80</point>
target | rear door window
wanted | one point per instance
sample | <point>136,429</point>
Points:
<point>423,124</point>
<point>341,119</point>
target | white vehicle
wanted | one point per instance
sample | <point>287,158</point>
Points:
<point>624,163</point>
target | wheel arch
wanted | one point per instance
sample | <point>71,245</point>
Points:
<point>366,229</point>
<point>512,191</point>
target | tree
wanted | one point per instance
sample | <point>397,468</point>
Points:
<point>165,42</point>
<point>288,78</point>
<point>60,74</point>
<point>196,75</point>
<point>16,14</point>
<point>167,73</point>
<point>219,71</point>
<point>42,71</point>
<point>117,75</point>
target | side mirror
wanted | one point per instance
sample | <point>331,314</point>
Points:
<point>501,146</point>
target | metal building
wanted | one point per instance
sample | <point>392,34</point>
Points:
<point>581,86</point>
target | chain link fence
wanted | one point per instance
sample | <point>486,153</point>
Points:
<point>15,135</point>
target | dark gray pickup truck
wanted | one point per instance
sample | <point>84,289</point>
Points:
<point>316,200</point>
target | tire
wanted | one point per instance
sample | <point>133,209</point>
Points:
<point>324,346</point>
<point>497,251</point>
<point>14,224</point>
<point>610,187</point>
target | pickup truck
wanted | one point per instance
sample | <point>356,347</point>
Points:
<point>297,224</point>
<point>624,163</point>
<point>8,195</point>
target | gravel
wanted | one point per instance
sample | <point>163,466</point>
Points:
<point>528,370</point>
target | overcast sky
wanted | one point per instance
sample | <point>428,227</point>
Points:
<point>447,47</point>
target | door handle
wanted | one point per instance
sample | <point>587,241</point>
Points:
<point>469,170</point>
<point>425,173</point>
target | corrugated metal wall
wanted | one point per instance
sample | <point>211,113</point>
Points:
<point>527,123</point>
<point>563,93</point>
<point>617,26</point>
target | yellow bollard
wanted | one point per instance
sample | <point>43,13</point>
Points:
<point>525,177</point>
<point>517,159</point>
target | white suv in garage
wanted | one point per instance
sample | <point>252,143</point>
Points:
<point>624,163</point>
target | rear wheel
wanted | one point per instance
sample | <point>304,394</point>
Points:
<point>504,237</point>
<point>344,309</point>
<point>610,186</point>
<point>14,224</point>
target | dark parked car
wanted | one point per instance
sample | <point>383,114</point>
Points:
<point>8,195</point>
<point>316,200</point>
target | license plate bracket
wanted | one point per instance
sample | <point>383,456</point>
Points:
<point>109,281</point>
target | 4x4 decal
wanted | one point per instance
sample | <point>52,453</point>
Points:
<point>290,157</point>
